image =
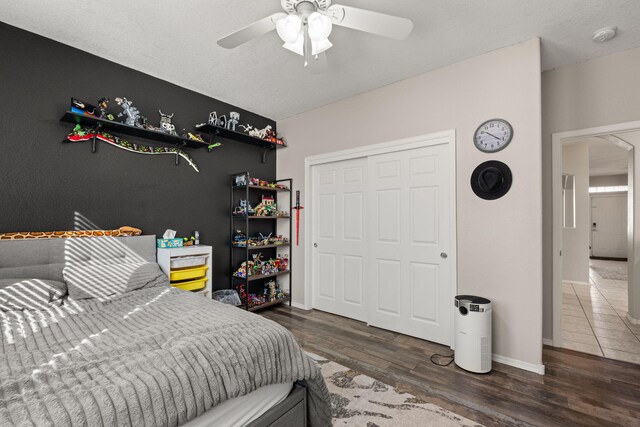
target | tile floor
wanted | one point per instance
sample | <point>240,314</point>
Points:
<point>594,317</point>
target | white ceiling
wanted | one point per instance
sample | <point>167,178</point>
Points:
<point>175,41</point>
<point>606,157</point>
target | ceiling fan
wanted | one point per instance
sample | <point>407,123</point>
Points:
<point>307,24</point>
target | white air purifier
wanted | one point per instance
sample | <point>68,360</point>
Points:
<point>473,333</point>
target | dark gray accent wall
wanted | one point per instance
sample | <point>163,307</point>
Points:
<point>47,185</point>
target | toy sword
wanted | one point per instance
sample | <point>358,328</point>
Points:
<point>298,208</point>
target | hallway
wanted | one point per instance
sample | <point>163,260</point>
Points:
<point>594,317</point>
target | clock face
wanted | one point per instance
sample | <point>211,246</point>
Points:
<point>493,135</point>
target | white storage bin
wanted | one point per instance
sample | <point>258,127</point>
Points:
<point>188,261</point>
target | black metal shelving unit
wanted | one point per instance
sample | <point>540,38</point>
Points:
<point>239,254</point>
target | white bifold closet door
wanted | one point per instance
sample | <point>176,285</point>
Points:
<point>339,254</point>
<point>410,283</point>
<point>381,232</point>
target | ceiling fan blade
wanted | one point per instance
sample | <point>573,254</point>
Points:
<point>252,31</point>
<point>318,64</point>
<point>381,24</point>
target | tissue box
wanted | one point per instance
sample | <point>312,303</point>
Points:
<point>169,243</point>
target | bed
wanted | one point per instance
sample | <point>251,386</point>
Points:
<point>154,355</point>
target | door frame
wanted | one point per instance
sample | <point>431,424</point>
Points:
<point>557,142</point>
<point>445,137</point>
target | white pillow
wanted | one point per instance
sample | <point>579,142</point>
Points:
<point>104,281</point>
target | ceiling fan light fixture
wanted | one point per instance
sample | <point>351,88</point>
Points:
<point>320,26</point>
<point>297,46</point>
<point>288,28</point>
<point>317,47</point>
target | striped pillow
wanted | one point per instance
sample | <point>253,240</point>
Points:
<point>106,280</point>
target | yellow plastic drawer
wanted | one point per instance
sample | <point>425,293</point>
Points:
<point>192,285</point>
<point>188,273</point>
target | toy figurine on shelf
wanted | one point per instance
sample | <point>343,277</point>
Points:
<point>271,290</point>
<point>256,300</point>
<point>103,103</point>
<point>221,121</point>
<point>243,269</point>
<point>244,209</point>
<point>144,123</point>
<point>165,123</point>
<point>273,138</point>
<point>239,238</point>
<point>234,119</point>
<point>132,113</point>
<point>283,262</point>
<point>242,293</point>
<point>278,240</point>
<point>241,180</point>
<point>256,133</point>
<point>264,240</point>
<point>267,207</point>
<point>193,136</point>
<point>80,107</point>
<point>189,241</point>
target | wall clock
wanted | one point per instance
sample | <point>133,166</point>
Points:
<point>493,135</point>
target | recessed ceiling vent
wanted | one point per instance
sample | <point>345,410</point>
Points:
<point>604,34</point>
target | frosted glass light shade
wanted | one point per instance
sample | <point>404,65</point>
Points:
<point>317,47</point>
<point>319,26</point>
<point>297,46</point>
<point>289,28</point>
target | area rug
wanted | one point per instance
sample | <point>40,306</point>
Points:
<point>359,400</point>
<point>612,272</point>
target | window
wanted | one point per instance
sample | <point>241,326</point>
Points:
<point>568,201</point>
<point>609,189</point>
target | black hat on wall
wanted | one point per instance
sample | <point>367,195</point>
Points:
<point>491,180</point>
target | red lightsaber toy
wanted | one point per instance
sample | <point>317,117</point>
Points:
<point>298,208</point>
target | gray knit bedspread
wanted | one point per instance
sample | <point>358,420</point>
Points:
<point>152,357</point>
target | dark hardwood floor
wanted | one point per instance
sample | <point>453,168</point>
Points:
<point>577,390</point>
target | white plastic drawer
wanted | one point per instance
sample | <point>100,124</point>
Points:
<point>188,261</point>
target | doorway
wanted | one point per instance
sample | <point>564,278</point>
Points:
<point>382,226</point>
<point>594,294</point>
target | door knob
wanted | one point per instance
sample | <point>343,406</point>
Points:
<point>315,245</point>
<point>443,255</point>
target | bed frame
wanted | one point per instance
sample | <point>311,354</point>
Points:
<point>45,259</point>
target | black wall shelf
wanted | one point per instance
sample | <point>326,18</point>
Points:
<point>260,217</point>
<point>260,187</point>
<point>121,128</point>
<point>258,247</point>
<point>233,135</point>
<point>261,276</point>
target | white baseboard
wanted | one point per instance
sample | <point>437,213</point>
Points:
<point>632,320</point>
<point>538,369</point>
<point>575,282</point>
<point>547,341</point>
<point>300,306</point>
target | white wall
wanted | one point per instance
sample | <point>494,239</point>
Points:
<point>575,243</point>
<point>608,180</point>
<point>599,92</point>
<point>499,242</point>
